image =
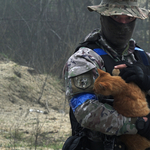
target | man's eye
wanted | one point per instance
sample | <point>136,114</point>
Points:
<point>131,18</point>
<point>115,17</point>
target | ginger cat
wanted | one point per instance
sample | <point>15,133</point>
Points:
<point>129,101</point>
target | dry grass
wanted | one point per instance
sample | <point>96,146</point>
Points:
<point>20,127</point>
<point>32,114</point>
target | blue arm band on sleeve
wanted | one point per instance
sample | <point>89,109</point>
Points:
<point>79,99</point>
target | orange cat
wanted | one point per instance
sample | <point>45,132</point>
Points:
<point>129,101</point>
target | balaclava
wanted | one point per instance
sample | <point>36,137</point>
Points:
<point>116,34</point>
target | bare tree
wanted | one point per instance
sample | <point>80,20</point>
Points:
<point>44,33</point>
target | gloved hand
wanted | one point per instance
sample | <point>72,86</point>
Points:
<point>137,73</point>
<point>146,127</point>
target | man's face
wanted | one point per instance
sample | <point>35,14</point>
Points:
<point>117,30</point>
<point>123,18</point>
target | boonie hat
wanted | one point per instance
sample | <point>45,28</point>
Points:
<point>120,7</point>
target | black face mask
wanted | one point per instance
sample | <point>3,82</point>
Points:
<point>116,34</point>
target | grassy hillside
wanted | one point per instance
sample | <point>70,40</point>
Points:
<point>32,109</point>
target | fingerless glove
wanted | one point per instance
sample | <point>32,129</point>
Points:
<point>146,129</point>
<point>137,73</point>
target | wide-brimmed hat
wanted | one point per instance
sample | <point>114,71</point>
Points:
<point>120,7</point>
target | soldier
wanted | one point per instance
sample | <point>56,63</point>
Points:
<point>93,116</point>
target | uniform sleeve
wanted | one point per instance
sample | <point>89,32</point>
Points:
<point>80,74</point>
<point>102,117</point>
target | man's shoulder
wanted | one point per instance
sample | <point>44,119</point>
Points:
<point>137,47</point>
<point>93,36</point>
<point>82,61</point>
<point>90,40</point>
<point>143,55</point>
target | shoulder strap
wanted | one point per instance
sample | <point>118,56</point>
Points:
<point>100,51</point>
<point>143,56</point>
<point>108,61</point>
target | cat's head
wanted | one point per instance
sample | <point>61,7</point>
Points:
<point>101,84</point>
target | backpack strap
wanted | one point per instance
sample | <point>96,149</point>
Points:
<point>108,61</point>
<point>143,56</point>
<point>100,51</point>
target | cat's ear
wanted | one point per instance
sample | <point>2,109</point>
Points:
<point>99,71</point>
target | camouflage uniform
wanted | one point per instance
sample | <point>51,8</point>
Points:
<point>81,71</point>
<point>80,74</point>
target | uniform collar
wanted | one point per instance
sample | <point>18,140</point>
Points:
<point>112,52</point>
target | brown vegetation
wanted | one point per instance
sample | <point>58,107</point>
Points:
<point>32,108</point>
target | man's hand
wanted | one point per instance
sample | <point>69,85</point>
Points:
<point>137,73</point>
<point>145,131</point>
<point>121,66</point>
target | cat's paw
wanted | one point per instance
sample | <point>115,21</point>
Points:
<point>115,72</point>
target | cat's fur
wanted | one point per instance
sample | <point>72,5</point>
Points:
<point>129,101</point>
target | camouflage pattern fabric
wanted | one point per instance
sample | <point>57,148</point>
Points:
<point>104,118</point>
<point>96,116</point>
<point>83,57</point>
<point>120,7</point>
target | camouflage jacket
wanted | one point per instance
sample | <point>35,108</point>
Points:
<point>80,73</point>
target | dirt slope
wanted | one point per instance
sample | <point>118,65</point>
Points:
<point>32,107</point>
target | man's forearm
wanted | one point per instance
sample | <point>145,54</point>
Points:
<point>103,118</point>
